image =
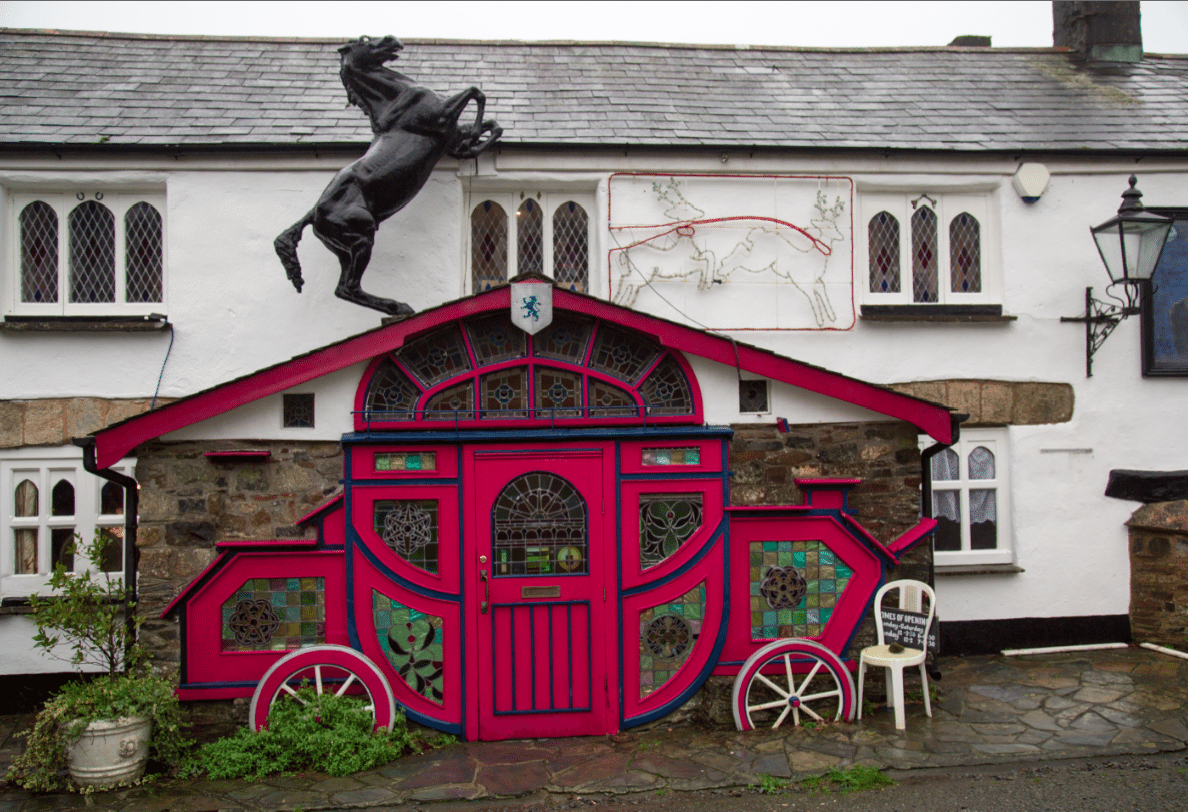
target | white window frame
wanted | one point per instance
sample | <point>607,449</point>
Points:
<point>946,206</point>
<point>993,440</point>
<point>44,467</point>
<point>549,200</point>
<point>63,201</point>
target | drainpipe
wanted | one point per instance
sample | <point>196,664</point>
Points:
<point>955,421</point>
<point>131,509</point>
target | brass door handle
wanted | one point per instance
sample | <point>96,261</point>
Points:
<point>486,591</point>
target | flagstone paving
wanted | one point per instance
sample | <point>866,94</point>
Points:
<point>989,710</point>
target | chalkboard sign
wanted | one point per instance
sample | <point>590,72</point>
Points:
<point>907,628</point>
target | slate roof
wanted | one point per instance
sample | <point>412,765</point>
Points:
<point>134,90</point>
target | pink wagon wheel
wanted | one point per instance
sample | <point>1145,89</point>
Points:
<point>793,678</point>
<point>326,669</point>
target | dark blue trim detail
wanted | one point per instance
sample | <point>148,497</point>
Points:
<point>409,437</point>
<point>710,664</point>
<point>403,482</point>
<point>449,597</point>
<point>668,475</point>
<point>429,721</point>
<point>211,686</point>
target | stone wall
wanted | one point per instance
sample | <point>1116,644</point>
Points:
<point>56,421</point>
<point>998,403</point>
<point>1159,574</point>
<point>189,503</point>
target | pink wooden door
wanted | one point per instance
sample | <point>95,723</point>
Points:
<point>539,576</point>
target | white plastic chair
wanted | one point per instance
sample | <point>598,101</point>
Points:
<point>911,598</point>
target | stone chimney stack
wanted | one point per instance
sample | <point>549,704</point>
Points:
<point>1101,31</point>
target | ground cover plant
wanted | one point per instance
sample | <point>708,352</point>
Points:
<point>326,733</point>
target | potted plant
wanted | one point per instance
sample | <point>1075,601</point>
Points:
<point>97,728</point>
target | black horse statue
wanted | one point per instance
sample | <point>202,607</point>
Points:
<point>413,128</point>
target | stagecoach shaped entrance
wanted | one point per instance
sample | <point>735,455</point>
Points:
<point>533,537</point>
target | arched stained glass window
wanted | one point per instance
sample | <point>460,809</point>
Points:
<point>883,244</point>
<point>391,395</point>
<point>454,403</point>
<point>539,526</point>
<point>488,246</point>
<point>666,391</point>
<point>666,521</point>
<point>142,254</point>
<point>571,247</point>
<point>92,253</point>
<point>530,237</point>
<point>39,253</point>
<point>924,255</point>
<point>965,254</point>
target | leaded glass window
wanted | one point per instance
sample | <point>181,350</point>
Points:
<point>666,521</point>
<point>275,614</point>
<point>409,527</point>
<point>666,391</point>
<point>496,339</point>
<point>668,634</point>
<point>297,411</point>
<point>391,394</point>
<point>413,643</point>
<point>924,255</point>
<point>558,393</point>
<point>883,244</point>
<point>143,267</point>
<point>752,397</point>
<point>565,339</point>
<point>505,394</point>
<point>607,400</point>
<point>92,253</point>
<point>539,526</point>
<point>571,247</point>
<point>622,355</point>
<point>965,254</point>
<point>436,357</point>
<point>488,246</point>
<point>530,237</point>
<point>454,403</point>
<point>39,253</point>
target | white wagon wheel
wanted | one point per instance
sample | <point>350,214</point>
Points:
<point>793,678</point>
<point>326,669</point>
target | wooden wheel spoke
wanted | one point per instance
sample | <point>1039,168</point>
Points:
<point>285,687</point>
<point>767,705</point>
<point>808,678</point>
<point>318,678</point>
<point>784,716</point>
<point>810,712</point>
<point>345,685</point>
<point>773,686</point>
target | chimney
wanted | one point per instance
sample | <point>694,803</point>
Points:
<point>1100,31</point>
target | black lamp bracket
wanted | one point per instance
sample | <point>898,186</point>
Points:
<point>1100,318</point>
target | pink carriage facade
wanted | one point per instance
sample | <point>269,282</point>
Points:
<point>534,534</point>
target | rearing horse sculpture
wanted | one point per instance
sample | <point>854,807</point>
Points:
<point>414,127</point>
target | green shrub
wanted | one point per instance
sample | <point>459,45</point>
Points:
<point>327,734</point>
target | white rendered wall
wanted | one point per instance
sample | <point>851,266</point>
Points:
<point>234,311</point>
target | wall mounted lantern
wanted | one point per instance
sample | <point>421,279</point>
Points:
<point>1130,245</point>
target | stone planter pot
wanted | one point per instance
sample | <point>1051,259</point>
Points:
<point>110,752</point>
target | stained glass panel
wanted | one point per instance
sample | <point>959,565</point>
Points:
<point>965,254</point>
<point>607,400</point>
<point>883,243</point>
<point>436,357</point>
<point>92,253</point>
<point>297,411</point>
<point>454,403</point>
<point>504,394</point>
<point>414,644</point>
<point>558,393</point>
<point>666,521</point>
<point>275,614</point>
<point>530,237</point>
<point>924,256</point>
<point>488,246</point>
<point>409,528</point>
<point>671,456</point>
<point>571,247</point>
<point>539,527</point>
<point>794,588</point>
<point>494,339</point>
<point>563,340</point>
<point>622,355</point>
<point>142,254</point>
<point>39,253</point>
<point>406,461</point>
<point>667,635</point>
<point>752,396</point>
<point>391,394</point>
<point>666,391</point>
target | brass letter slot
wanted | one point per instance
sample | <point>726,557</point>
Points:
<point>540,591</point>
